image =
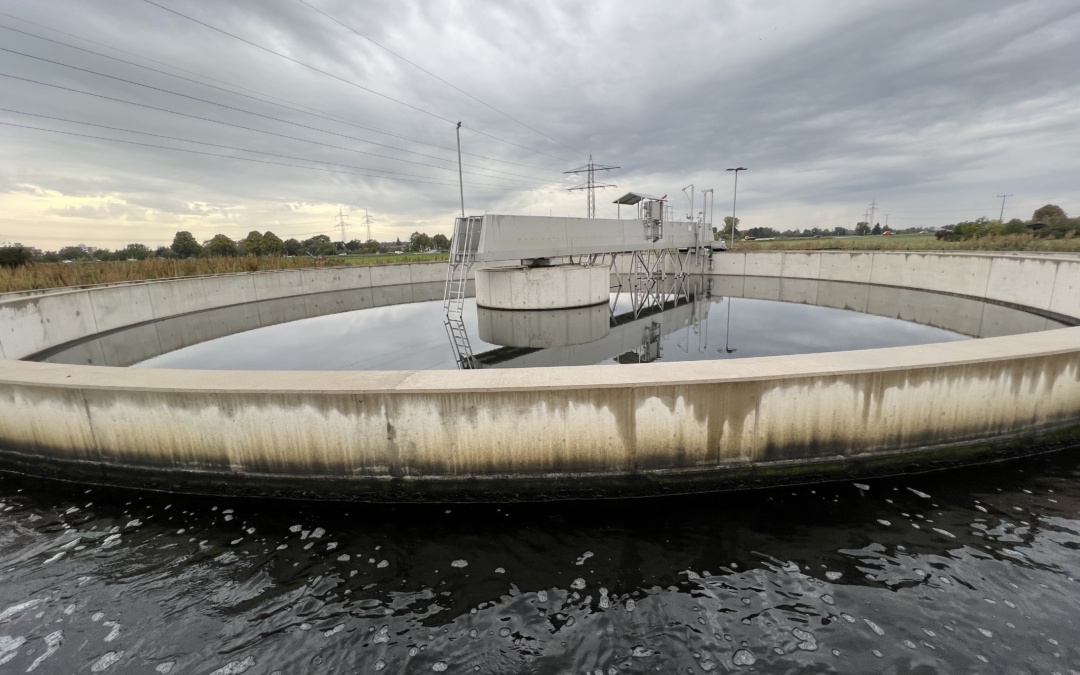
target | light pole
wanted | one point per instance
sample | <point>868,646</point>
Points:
<point>734,197</point>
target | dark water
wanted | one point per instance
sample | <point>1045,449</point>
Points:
<point>965,571</point>
<point>412,336</point>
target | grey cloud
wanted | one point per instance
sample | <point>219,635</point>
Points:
<point>926,106</point>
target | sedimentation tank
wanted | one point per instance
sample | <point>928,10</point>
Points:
<point>539,433</point>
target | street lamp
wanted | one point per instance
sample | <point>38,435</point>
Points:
<point>734,197</point>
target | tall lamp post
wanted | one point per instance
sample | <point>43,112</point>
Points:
<point>734,197</point>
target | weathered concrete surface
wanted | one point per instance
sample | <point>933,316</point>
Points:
<point>31,324</point>
<point>556,431</point>
<point>532,288</point>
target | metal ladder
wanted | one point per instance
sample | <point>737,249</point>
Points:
<point>462,256</point>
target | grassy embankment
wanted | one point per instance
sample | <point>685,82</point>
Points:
<point>914,242</point>
<point>58,275</point>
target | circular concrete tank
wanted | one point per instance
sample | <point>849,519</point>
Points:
<point>556,287</point>
<point>542,433</point>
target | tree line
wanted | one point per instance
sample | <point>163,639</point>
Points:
<point>185,245</point>
<point>1047,222</point>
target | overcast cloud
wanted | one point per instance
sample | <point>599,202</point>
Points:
<point>932,108</point>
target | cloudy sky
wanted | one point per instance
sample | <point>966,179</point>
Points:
<point>930,108</point>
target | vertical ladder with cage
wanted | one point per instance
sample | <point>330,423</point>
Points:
<point>462,256</point>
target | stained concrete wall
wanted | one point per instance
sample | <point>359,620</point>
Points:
<point>380,434</point>
<point>29,325</point>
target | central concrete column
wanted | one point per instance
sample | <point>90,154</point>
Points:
<point>556,287</point>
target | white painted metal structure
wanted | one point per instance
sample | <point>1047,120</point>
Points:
<point>522,238</point>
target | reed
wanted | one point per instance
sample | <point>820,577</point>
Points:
<point>59,275</point>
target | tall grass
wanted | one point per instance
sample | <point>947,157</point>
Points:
<point>58,275</point>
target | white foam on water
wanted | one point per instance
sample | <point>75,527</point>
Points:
<point>833,576</point>
<point>295,528</point>
<point>439,666</point>
<point>884,522</point>
<point>743,657</point>
<point>52,643</point>
<point>235,667</point>
<point>584,556</point>
<point>317,533</point>
<point>874,627</point>
<point>918,493</point>
<point>54,558</point>
<point>165,667</point>
<point>807,641</point>
<point>383,563</point>
<point>19,608</point>
<point>335,630</point>
<point>9,647</point>
<point>107,660</point>
<point>459,563</point>
<point>115,632</point>
<point>944,532</point>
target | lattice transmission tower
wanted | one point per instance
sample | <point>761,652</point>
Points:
<point>590,184</point>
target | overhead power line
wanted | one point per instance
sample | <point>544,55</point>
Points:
<point>218,145</point>
<point>305,110</point>
<point>341,79</point>
<point>269,117</point>
<point>428,72</point>
<point>247,159</point>
<point>239,126</point>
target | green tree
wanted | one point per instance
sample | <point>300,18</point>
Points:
<point>371,246</point>
<point>1014,226</point>
<point>14,256</point>
<point>293,247</point>
<point>440,242</point>
<point>272,244</point>
<point>133,251</point>
<point>72,253</point>
<point>252,244</point>
<point>103,254</point>
<point>165,252</point>
<point>320,244</point>
<point>419,241</point>
<point>221,245</point>
<point>862,228</point>
<point>840,231</point>
<point>354,246</point>
<point>877,229</point>
<point>1049,215</point>
<point>184,245</point>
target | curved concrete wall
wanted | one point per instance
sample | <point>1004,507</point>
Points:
<point>532,288</point>
<point>545,432</point>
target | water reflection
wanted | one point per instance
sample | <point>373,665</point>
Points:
<point>967,571</point>
<point>401,327</point>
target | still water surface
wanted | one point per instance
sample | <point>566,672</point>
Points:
<point>412,336</point>
<point>964,571</point>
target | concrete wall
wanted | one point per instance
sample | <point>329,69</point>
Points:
<point>29,325</point>
<point>553,431</point>
<point>531,288</point>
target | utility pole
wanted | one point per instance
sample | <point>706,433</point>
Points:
<point>873,207</point>
<point>341,218</point>
<point>1002,214</point>
<point>590,185</point>
<point>887,221</point>
<point>461,182</point>
<point>734,197</point>
<point>367,224</point>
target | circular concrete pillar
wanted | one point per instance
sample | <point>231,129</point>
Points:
<point>544,328</point>
<point>557,287</point>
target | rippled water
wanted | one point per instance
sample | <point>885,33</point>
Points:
<point>970,570</point>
